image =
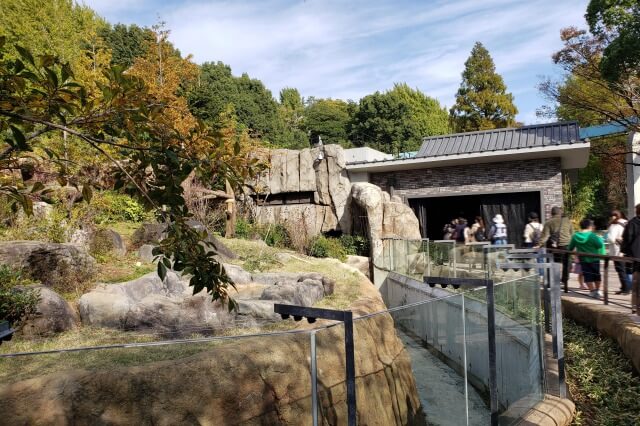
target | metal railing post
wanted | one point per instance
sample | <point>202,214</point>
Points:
<point>558,340</point>
<point>351,367</point>
<point>314,380</point>
<point>605,281</point>
<point>493,374</point>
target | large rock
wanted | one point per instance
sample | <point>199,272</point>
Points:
<point>145,253</point>
<point>311,219</point>
<point>307,173</point>
<point>107,240</point>
<point>50,263</point>
<point>247,381</point>
<point>237,275</point>
<point>53,315</point>
<point>339,185</point>
<point>148,233</point>
<point>361,263</point>
<point>303,293</point>
<point>399,221</point>
<point>149,302</point>
<point>369,198</point>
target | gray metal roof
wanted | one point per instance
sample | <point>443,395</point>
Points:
<point>536,136</point>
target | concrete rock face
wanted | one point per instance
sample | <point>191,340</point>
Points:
<point>50,263</point>
<point>361,263</point>
<point>249,381</point>
<point>387,218</point>
<point>321,171</point>
<point>53,315</point>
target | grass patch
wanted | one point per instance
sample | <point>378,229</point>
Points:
<point>601,380</point>
<point>113,269</point>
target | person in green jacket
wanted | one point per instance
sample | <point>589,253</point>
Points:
<point>586,241</point>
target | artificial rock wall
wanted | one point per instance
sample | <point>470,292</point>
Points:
<point>337,202</point>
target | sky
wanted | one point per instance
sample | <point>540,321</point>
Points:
<point>350,48</point>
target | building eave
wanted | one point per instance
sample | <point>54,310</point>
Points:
<point>572,156</point>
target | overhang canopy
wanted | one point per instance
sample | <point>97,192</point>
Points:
<point>554,140</point>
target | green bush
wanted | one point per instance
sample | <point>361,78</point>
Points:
<point>355,245</point>
<point>244,229</point>
<point>275,236</point>
<point>16,304</point>
<point>110,207</point>
<point>55,227</point>
<point>322,246</point>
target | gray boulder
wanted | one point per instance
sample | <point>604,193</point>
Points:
<point>53,315</point>
<point>257,309</point>
<point>237,275</point>
<point>50,263</point>
<point>304,293</point>
<point>107,240</point>
<point>148,233</point>
<point>361,263</point>
<point>145,253</point>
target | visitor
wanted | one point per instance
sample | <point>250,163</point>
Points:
<point>576,269</point>
<point>586,241</point>
<point>478,231</point>
<point>462,231</point>
<point>532,231</point>
<point>449,230</point>
<point>556,234</point>
<point>498,231</point>
<point>631,247</point>
<point>614,237</point>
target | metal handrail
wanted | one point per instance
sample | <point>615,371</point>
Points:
<point>635,288</point>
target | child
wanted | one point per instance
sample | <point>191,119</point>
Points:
<point>586,241</point>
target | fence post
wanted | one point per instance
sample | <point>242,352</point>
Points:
<point>493,374</point>
<point>557,336</point>
<point>605,282</point>
<point>350,366</point>
<point>314,380</point>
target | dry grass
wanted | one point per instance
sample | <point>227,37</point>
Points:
<point>14,369</point>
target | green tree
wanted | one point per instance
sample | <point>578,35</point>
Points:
<point>328,119</point>
<point>289,132</point>
<point>619,22</point>
<point>397,120</point>
<point>38,95</point>
<point>126,42</point>
<point>482,101</point>
<point>218,88</point>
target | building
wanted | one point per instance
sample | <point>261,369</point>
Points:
<point>510,171</point>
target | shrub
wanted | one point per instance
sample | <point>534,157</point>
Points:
<point>275,236</point>
<point>322,246</point>
<point>16,303</point>
<point>244,229</point>
<point>110,207</point>
<point>355,245</point>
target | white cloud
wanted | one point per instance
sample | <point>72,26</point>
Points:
<point>332,48</point>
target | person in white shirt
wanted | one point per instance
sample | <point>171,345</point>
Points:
<point>614,237</point>
<point>532,231</point>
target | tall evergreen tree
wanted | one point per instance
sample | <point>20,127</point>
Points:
<point>482,101</point>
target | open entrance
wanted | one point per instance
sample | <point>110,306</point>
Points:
<point>434,212</point>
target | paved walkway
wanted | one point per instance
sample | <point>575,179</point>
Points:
<point>621,302</point>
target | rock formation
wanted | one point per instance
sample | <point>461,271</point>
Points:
<point>50,263</point>
<point>386,218</point>
<point>53,315</point>
<point>249,381</point>
<point>170,305</point>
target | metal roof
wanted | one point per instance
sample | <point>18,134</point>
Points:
<point>536,136</point>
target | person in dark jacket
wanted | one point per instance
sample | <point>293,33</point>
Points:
<point>631,247</point>
<point>557,233</point>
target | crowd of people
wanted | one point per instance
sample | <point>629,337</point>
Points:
<point>622,239</point>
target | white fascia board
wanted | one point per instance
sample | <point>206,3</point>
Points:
<point>574,156</point>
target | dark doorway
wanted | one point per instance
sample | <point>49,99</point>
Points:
<point>433,213</point>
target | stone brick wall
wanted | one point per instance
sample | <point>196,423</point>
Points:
<point>542,175</point>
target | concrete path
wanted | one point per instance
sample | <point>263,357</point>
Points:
<point>441,389</point>
<point>619,302</point>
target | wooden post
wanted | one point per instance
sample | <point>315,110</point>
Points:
<point>230,225</point>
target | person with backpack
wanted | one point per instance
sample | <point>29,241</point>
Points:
<point>631,247</point>
<point>462,231</point>
<point>587,241</point>
<point>614,238</point>
<point>478,232</point>
<point>532,231</point>
<point>498,231</point>
<point>556,234</point>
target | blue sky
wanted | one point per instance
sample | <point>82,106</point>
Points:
<point>350,48</point>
